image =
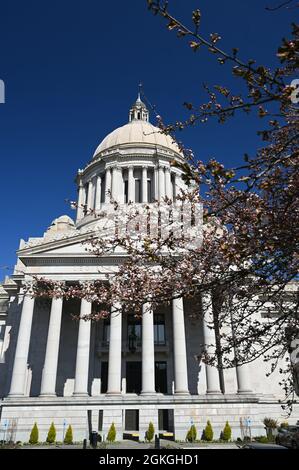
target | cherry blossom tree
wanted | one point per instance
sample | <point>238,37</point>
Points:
<point>247,257</point>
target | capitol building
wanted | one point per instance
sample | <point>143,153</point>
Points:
<point>87,373</point>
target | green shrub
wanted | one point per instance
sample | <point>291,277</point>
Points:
<point>51,437</point>
<point>68,438</point>
<point>111,436</point>
<point>261,439</point>
<point>208,432</point>
<point>191,434</point>
<point>284,425</point>
<point>33,439</point>
<point>226,434</point>
<point>149,435</point>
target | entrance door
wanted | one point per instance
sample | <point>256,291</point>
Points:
<point>133,376</point>
<point>161,376</point>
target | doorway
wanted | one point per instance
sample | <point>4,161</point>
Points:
<point>133,376</point>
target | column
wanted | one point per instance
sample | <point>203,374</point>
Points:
<point>98,193</point>
<point>22,349</point>
<point>212,375</point>
<point>83,345</point>
<point>81,197</point>
<point>131,184</point>
<point>161,188</point>
<point>243,379</point>
<point>179,348</point>
<point>242,371</point>
<point>175,186</point>
<point>148,351</point>
<point>156,183</point>
<point>89,196</point>
<point>51,359</point>
<point>107,186</point>
<point>114,361</point>
<point>168,185</point>
<point>117,187</point>
<point>144,184</point>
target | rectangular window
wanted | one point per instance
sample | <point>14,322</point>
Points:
<point>149,191</point>
<point>102,189</point>
<point>132,420</point>
<point>126,192</point>
<point>166,420</point>
<point>159,329</point>
<point>100,422</point>
<point>133,376</point>
<point>137,190</point>
<point>86,193</point>
<point>104,377</point>
<point>134,328</point>
<point>161,376</point>
<point>106,331</point>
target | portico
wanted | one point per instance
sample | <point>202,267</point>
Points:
<point>157,336</point>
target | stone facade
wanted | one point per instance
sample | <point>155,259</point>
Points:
<point>53,368</point>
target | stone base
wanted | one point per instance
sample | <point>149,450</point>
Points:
<point>21,413</point>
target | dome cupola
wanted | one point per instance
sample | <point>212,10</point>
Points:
<point>139,111</point>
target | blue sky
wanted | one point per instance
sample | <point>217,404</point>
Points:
<point>71,70</point>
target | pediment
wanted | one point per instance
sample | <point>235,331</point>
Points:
<point>63,247</point>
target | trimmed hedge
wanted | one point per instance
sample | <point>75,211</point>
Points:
<point>227,432</point>
<point>111,436</point>
<point>51,437</point>
<point>208,432</point>
<point>33,439</point>
<point>68,438</point>
<point>191,434</point>
<point>149,435</point>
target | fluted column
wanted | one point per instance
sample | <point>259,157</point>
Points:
<point>17,387</point>
<point>114,361</point>
<point>161,182</point>
<point>81,200</point>
<point>212,375</point>
<point>131,184</point>
<point>83,346</point>
<point>148,351</point>
<point>98,193</point>
<point>179,348</point>
<point>144,184</point>
<point>168,185</point>
<point>107,185</point>
<point>51,359</point>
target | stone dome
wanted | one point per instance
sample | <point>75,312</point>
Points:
<point>137,132</point>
